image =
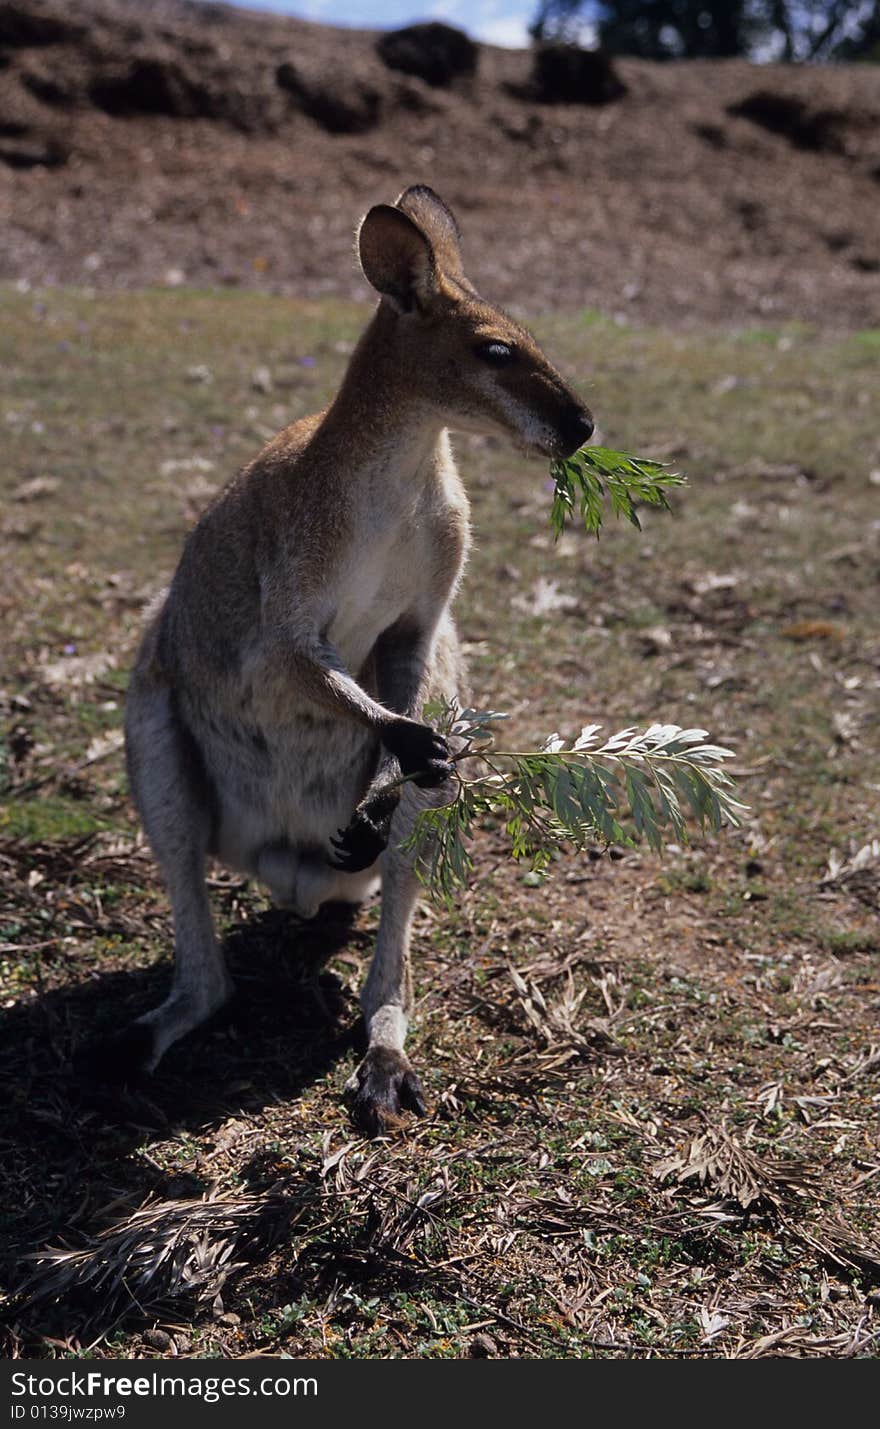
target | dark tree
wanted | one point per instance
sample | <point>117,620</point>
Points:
<point>654,29</point>
<point>825,29</point>
<point>789,30</point>
<point>860,41</point>
<point>676,29</point>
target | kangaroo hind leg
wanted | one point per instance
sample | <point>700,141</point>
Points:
<point>171,793</point>
<point>385,1085</point>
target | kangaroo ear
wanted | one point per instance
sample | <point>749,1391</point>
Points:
<point>430,214</point>
<point>397,257</point>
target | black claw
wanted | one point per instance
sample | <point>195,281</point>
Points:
<point>358,846</point>
<point>418,748</point>
<point>437,772</point>
<point>366,837</point>
<point>387,1087</point>
<point>411,1095</point>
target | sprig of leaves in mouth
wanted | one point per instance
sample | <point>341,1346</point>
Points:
<point>584,480</point>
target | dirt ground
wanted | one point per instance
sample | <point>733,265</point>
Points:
<point>653,1086</point>
<point>174,144</point>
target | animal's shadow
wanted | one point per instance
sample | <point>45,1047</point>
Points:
<point>75,1152</point>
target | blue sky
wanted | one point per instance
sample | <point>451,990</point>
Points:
<point>498,22</point>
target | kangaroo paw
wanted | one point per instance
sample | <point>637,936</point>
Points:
<point>357,846</point>
<point>360,843</point>
<point>382,1090</point>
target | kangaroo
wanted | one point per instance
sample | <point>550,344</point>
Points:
<point>278,689</point>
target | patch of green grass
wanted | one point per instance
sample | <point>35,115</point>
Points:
<point>674,880</point>
<point>42,819</point>
<point>768,335</point>
<point>844,941</point>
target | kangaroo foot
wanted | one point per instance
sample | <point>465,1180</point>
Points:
<point>382,1089</point>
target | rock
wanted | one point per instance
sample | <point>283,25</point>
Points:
<point>567,74</point>
<point>802,126</point>
<point>712,134</point>
<point>51,84</point>
<point>159,1340</point>
<point>30,153</point>
<point>415,97</point>
<point>150,84</point>
<point>24,23</point>
<point>172,84</point>
<point>437,53</point>
<point>341,102</point>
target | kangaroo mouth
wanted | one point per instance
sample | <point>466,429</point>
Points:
<point>556,446</point>
<point>547,447</point>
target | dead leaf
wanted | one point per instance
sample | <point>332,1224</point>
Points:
<point>546,597</point>
<point>716,1159</point>
<point>104,744</point>
<point>77,670</point>
<point>813,630</point>
<point>37,487</point>
<point>187,463</point>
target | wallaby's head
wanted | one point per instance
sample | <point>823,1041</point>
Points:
<point>479,368</point>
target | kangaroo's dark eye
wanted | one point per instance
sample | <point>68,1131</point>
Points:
<point>497,354</point>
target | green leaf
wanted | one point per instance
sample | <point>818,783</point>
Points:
<point>594,473</point>
<point>639,784</point>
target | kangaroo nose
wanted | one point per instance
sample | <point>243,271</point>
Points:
<point>577,428</point>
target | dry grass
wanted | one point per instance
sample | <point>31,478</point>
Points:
<point>654,1087</point>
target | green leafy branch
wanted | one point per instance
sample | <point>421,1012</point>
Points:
<point>585,479</point>
<point>637,784</point>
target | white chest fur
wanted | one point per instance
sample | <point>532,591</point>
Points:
<point>388,575</point>
<point>380,585</point>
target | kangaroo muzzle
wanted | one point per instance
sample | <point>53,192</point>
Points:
<point>576,428</point>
